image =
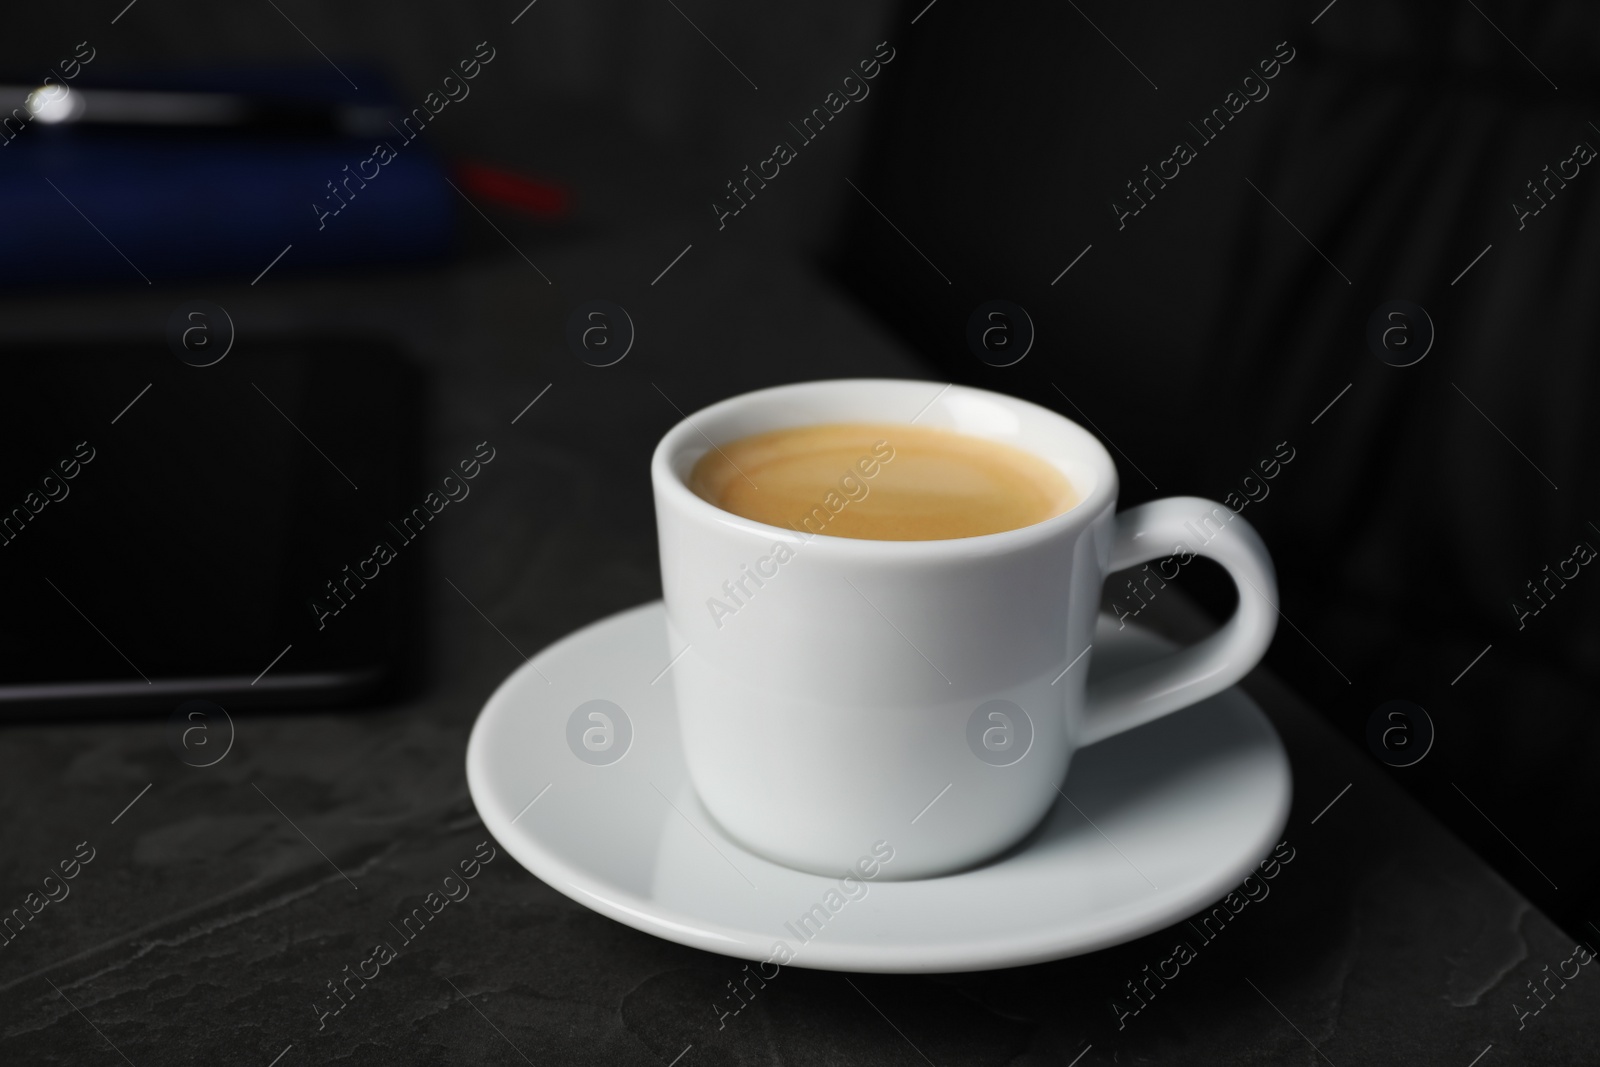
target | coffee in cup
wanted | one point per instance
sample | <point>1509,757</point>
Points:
<point>858,658</point>
<point>881,482</point>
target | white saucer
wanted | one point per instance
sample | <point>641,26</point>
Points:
<point>1161,821</point>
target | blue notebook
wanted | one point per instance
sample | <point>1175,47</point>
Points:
<point>181,203</point>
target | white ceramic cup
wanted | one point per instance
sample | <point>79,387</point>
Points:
<point>835,692</point>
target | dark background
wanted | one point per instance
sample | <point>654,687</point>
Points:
<point>1207,330</point>
<point>1221,320</point>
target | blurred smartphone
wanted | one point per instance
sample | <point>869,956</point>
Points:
<point>167,530</point>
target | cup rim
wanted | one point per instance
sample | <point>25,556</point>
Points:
<point>672,489</point>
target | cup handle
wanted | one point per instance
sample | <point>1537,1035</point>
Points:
<point>1168,527</point>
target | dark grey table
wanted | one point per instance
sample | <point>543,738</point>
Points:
<point>207,926</point>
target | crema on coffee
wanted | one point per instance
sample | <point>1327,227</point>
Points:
<point>881,482</point>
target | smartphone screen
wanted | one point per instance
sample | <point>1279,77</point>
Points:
<point>172,531</point>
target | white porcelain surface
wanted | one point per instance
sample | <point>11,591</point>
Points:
<point>829,685</point>
<point>1161,821</point>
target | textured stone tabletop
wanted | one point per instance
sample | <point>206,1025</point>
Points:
<point>212,908</point>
